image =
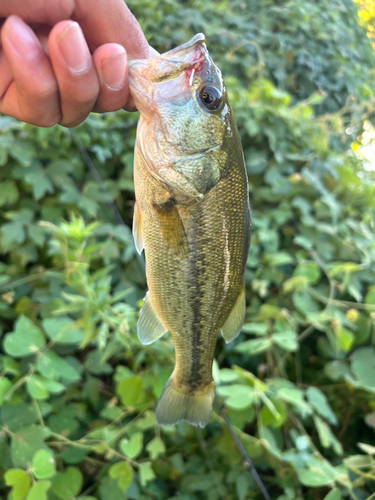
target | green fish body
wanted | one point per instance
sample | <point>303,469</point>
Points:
<point>191,217</point>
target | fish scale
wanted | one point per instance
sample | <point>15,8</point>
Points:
<point>195,246</point>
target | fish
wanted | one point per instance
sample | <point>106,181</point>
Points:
<point>191,218</point>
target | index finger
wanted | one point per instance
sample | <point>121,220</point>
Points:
<point>102,21</point>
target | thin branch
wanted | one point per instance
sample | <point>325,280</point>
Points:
<point>245,457</point>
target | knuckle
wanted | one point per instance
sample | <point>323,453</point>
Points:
<point>41,119</point>
<point>73,121</point>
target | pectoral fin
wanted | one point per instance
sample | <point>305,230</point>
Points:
<point>149,326</point>
<point>233,324</point>
<point>137,229</point>
<point>171,226</point>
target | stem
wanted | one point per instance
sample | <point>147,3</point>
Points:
<point>245,457</point>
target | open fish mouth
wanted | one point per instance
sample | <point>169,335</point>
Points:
<point>185,48</point>
<point>189,57</point>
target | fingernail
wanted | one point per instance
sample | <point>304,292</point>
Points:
<point>74,48</point>
<point>114,70</point>
<point>23,39</point>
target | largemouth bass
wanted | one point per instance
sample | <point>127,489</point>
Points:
<point>191,217</point>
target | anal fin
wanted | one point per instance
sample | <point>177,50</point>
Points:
<point>137,229</point>
<point>234,322</point>
<point>149,326</point>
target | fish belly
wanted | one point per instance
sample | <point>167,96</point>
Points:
<point>195,259</point>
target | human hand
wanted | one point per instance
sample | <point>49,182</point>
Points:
<point>62,59</point>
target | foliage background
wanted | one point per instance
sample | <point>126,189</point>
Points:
<point>77,389</point>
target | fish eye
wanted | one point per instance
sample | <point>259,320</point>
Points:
<point>210,97</point>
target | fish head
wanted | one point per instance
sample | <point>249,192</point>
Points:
<point>183,105</point>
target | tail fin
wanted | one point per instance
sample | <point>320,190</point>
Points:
<point>175,405</point>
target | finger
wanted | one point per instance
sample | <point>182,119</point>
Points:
<point>110,61</point>
<point>29,90</point>
<point>38,11</point>
<point>102,21</point>
<point>74,70</point>
<point>110,21</point>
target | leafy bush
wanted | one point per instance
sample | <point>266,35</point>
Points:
<point>78,390</point>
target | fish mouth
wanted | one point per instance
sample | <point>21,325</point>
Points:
<point>170,65</point>
<point>186,48</point>
<point>181,51</point>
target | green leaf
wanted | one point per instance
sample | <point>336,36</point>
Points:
<point>130,391</point>
<point>286,340</point>
<point>304,302</point>
<point>95,364</point>
<point>294,397</point>
<point>363,366</point>
<point>25,443</point>
<point>8,193</point>
<point>39,491</point>
<point>123,473</point>
<point>254,346</point>
<point>227,375</point>
<point>36,234</point>
<point>40,387</point>
<point>318,476</point>
<point>18,415</point>
<point>345,338</point>
<point>146,473</point>
<point>109,490</point>
<point>242,487</point>
<point>257,328</point>
<point>26,339</point>
<point>333,495</point>
<point>318,400</point>
<point>237,396</point>
<point>62,330</point>
<point>66,485</point>
<point>19,481</point>
<point>74,455</point>
<point>310,270</point>
<point>370,296</point>
<point>132,447</point>
<point>51,365</point>
<point>276,417</point>
<point>367,448</point>
<point>155,448</point>
<point>11,366</point>
<point>5,385</point>
<point>24,152</point>
<point>12,234</point>
<point>37,178</point>
<point>326,436</point>
<point>295,284</point>
<point>358,461</point>
<point>43,464</point>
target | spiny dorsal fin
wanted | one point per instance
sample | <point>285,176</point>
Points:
<point>149,326</point>
<point>137,229</point>
<point>233,324</point>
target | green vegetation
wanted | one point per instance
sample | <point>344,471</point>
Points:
<point>78,390</point>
